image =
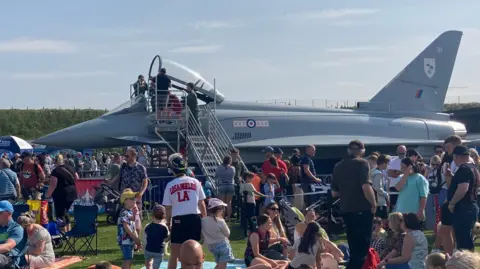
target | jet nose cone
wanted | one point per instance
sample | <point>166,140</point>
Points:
<point>59,138</point>
<point>71,137</point>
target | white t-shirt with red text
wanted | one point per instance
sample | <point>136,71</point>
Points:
<point>183,194</point>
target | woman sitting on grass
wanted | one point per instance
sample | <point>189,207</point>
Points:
<point>329,246</point>
<point>40,249</point>
<point>414,248</point>
<point>277,251</point>
<point>258,242</point>
<point>395,235</point>
<point>310,248</point>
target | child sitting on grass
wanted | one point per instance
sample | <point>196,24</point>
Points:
<point>126,234</point>
<point>154,236</point>
<point>436,261</point>
<point>103,265</point>
<point>216,232</point>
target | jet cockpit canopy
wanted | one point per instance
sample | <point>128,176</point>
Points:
<point>181,75</point>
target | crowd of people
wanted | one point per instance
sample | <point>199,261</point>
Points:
<point>383,200</point>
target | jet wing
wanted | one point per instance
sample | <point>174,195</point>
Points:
<point>334,140</point>
<point>139,140</point>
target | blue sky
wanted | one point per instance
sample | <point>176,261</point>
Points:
<point>87,53</point>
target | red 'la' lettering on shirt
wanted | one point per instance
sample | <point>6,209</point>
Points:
<point>183,186</point>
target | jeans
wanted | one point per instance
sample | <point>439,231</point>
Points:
<point>359,234</point>
<point>464,218</point>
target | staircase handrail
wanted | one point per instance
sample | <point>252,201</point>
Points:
<point>193,125</point>
<point>195,130</point>
<point>220,134</point>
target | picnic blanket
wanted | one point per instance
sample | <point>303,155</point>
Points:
<point>65,261</point>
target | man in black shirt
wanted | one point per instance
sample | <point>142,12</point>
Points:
<point>351,182</point>
<point>308,175</point>
<point>462,198</point>
<point>162,84</point>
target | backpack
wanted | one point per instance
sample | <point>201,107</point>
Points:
<point>35,168</point>
<point>372,260</point>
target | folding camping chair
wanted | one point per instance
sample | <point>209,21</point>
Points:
<point>84,231</point>
<point>18,209</point>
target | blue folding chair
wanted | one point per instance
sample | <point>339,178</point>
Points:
<point>18,209</point>
<point>84,230</point>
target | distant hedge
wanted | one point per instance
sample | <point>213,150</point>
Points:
<point>30,124</point>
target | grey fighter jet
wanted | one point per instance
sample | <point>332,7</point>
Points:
<point>406,111</point>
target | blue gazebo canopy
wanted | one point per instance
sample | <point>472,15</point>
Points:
<point>13,144</point>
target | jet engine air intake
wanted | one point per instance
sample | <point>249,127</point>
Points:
<point>459,128</point>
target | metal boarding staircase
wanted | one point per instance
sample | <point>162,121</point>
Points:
<point>206,140</point>
<point>209,146</point>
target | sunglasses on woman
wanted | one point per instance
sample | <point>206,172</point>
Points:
<point>274,208</point>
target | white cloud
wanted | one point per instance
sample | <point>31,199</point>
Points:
<point>196,49</point>
<point>118,31</point>
<point>347,62</point>
<point>349,84</point>
<point>109,55</point>
<point>60,75</point>
<point>338,13</point>
<point>30,45</point>
<point>354,49</point>
<point>347,23</point>
<point>216,24</point>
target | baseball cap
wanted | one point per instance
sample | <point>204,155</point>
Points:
<point>268,149</point>
<point>461,150</point>
<point>6,206</point>
<point>177,163</point>
<point>277,151</point>
<point>214,202</point>
<point>127,194</point>
<point>412,152</point>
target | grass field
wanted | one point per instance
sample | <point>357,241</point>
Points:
<point>108,248</point>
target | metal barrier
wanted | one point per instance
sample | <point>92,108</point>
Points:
<point>89,174</point>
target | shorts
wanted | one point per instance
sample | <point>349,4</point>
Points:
<point>226,189</point>
<point>186,227</point>
<point>127,252</point>
<point>222,252</point>
<point>250,210</point>
<point>156,257</point>
<point>382,212</point>
<point>446,216</point>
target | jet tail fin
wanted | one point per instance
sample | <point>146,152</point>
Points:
<point>422,85</point>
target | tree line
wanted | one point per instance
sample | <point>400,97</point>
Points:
<point>33,123</point>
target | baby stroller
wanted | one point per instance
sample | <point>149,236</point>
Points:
<point>329,210</point>
<point>290,217</point>
<point>110,199</point>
